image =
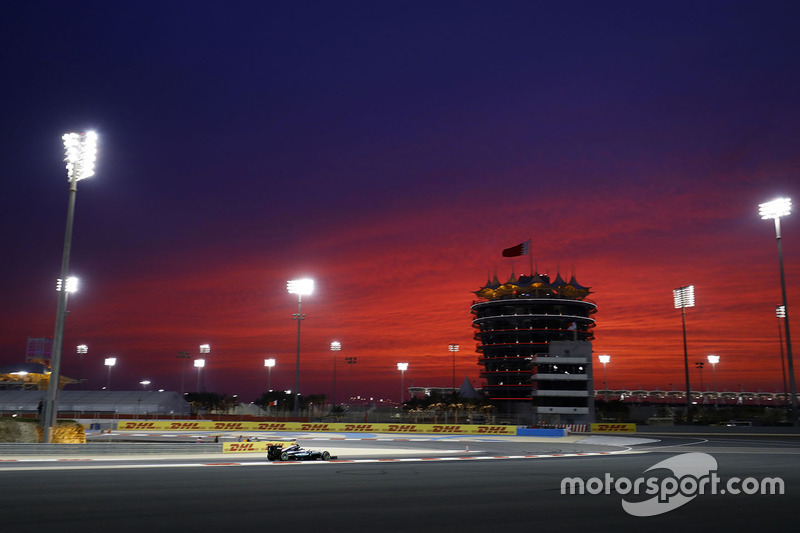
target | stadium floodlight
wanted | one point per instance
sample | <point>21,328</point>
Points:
<point>713,360</point>
<point>402,367</point>
<point>683,298</point>
<point>453,349</point>
<point>71,286</point>
<point>199,364</point>
<point>109,362</point>
<point>269,363</point>
<point>779,207</point>
<point>775,209</point>
<point>80,154</point>
<point>336,347</point>
<point>300,287</point>
<point>605,359</point>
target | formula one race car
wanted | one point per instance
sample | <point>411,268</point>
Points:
<point>296,453</point>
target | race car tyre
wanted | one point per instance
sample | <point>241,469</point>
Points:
<point>284,456</point>
<point>326,456</point>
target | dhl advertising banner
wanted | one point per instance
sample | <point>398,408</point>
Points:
<point>249,447</point>
<point>613,428</point>
<point>338,427</point>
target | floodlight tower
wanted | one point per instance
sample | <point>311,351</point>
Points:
<point>80,154</point>
<point>776,209</point>
<point>199,364</point>
<point>605,359</point>
<point>713,360</point>
<point>299,287</point>
<point>453,349</point>
<point>205,351</point>
<point>684,297</point>
<point>269,363</point>
<point>402,367</point>
<point>82,350</point>
<point>336,347</point>
<point>109,362</point>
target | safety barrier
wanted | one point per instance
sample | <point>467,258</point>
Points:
<point>336,427</point>
<point>613,428</point>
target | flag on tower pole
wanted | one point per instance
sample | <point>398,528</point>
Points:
<point>522,248</point>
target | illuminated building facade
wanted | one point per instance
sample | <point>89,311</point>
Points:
<point>534,340</point>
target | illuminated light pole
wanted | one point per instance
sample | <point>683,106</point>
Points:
<point>109,362</point>
<point>300,287</point>
<point>336,347</point>
<point>713,360</point>
<point>351,361</point>
<point>402,367</point>
<point>453,349</point>
<point>605,359</point>
<point>780,312</point>
<point>82,350</point>
<point>184,356</point>
<point>205,349</point>
<point>80,154</point>
<point>775,210</point>
<point>199,364</point>
<point>684,297</point>
<point>699,366</point>
<point>269,363</point>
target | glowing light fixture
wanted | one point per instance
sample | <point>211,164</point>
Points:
<point>199,364</point>
<point>300,287</point>
<point>605,359</point>
<point>269,363</point>
<point>453,349</point>
<point>779,207</point>
<point>80,154</point>
<point>684,297</point>
<point>775,209</point>
<point>402,367</point>
<point>336,347</point>
<point>70,286</point>
<point>109,362</point>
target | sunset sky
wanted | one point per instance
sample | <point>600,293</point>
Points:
<point>391,150</point>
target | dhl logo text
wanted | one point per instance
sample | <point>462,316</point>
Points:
<point>138,425</point>
<point>272,426</point>
<point>358,427</point>
<point>229,425</point>
<point>447,429</point>
<point>493,429</point>
<point>613,427</point>
<point>402,428</point>
<point>315,427</point>
<point>184,425</point>
<point>242,447</point>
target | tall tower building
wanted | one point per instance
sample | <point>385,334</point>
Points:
<point>534,338</point>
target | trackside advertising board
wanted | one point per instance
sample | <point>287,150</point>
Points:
<point>613,428</point>
<point>251,447</point>
<point>337,427</point>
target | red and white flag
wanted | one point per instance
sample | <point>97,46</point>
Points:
<point>522,248</point>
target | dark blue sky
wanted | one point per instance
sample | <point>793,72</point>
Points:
<point>392,149</point>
